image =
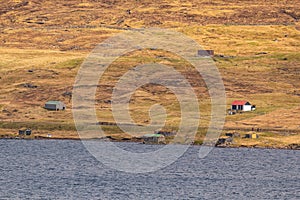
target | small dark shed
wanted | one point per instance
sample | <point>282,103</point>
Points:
<point>224,141</point>
<point>55,105</point>
<point>252,135</point>
<point>206,53</point>
<point>24,131</point>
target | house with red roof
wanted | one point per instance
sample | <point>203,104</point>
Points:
<point>242,105</point>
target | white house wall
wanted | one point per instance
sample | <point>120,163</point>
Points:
<point>247,107</point>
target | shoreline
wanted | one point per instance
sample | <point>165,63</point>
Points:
<point>123,140</point>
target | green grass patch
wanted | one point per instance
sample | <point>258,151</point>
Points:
<point>38,126</point>
<point>70,64</point>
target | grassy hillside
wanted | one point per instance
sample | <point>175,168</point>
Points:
<point>43,43</point>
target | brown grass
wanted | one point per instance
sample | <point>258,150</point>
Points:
<point>52,38</point>
<point>268,140</point>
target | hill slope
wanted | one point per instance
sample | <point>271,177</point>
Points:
<point>43,43</point>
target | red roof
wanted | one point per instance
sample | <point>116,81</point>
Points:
<point>239,102</point>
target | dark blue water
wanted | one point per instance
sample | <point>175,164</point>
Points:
<point>44,169</point>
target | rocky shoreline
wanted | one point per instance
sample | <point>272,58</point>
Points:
<point>139,140</point>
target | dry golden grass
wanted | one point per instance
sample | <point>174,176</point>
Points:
<point>40,134</point>
<point>268,140</point>
<point>282,119</point>
<point>52,38</point>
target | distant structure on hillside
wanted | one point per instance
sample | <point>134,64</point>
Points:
<point>55,105</point>
<point>166,133</point>
<point>242,105</point>
<point>153,139</point>
<point>24,131</point>
<point>206,53</point>
<point>251,135</point>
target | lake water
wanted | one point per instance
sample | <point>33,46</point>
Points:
<point>56,169</point>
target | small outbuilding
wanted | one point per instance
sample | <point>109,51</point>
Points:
<point>242,105</point>
<point>166,133</point>
<point>252,135</point>
<point>224,141</point>
<point>153,139</point>
<point>55,105</point>
<point>24,131</point>
<point>206,53</point>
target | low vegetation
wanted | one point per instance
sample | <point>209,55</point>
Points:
<point>43,43</point>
